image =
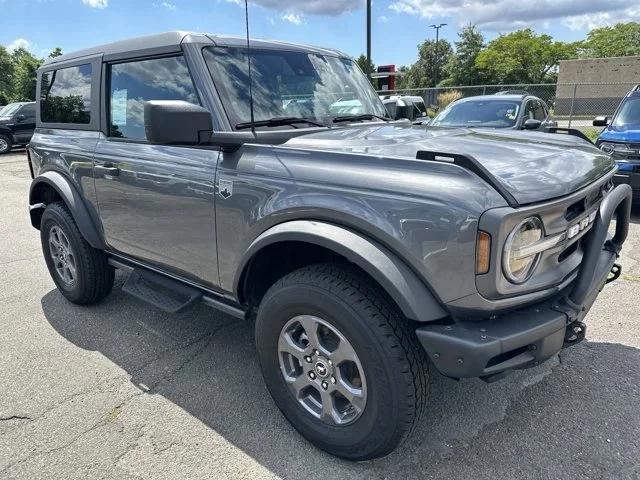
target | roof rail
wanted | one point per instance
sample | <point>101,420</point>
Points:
<point>472,164</point>
<point>512,92</point>
<point>568,131</point>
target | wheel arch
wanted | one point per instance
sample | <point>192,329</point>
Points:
<point>52,186</point>
<point>316,242</point>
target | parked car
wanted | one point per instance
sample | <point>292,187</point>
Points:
<point>516,111</point>
<point>363,248</point>
<point>621,139</point>
<point>17,123</point>
<point>410,107</point>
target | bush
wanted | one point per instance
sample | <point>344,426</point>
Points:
<point>445,98</point>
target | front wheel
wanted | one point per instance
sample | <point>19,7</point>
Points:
<point>340,361</point>
<point>5,144</point>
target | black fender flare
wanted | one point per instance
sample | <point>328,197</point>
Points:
<point>409,292</point>
<point>74,201</point>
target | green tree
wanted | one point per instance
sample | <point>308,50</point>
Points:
<point>422,74</point>
<point>56,52</point>
<point>367,67</point>
<point>6,76</point>
<point>461,68</point>
<point>523,57</point>
<point>620,40</point>
<point>24,77</point>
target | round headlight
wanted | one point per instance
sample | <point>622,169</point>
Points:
<point>516,263</point>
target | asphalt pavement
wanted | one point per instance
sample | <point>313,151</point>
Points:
<point>122,390</point>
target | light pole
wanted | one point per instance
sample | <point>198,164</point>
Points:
<point>368,37</point>
<point>437,60</point>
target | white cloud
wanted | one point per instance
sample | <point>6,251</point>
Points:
<point>383,19</point>
<point>169,6</point>
<point>310,7</point>
<point>294,18</point>
<point>96,3</point>
<point>19,43</point>
<point>510,14</point>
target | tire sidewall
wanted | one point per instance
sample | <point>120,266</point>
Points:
<point>51,218</point>
<point>9,143</point>
<point>376,425</point>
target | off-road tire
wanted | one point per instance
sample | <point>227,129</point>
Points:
<point>394,363</point>
<point>6,141</point>
<point>94,274</point>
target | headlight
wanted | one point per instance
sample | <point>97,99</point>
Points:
<point>611,148</point>
<point>517,263</point>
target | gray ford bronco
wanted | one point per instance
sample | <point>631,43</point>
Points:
<point>367,251</point>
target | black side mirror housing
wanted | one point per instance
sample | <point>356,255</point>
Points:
<point>531,124</point>
<point>601,121</point>
<point>20,117</point>
<point>175,122</point>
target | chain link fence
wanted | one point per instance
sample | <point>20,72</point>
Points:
<point>573,105</point>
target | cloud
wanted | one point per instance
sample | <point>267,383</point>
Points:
<point>511,14</point>
<point>19,43</point>
<point>331,8</point>
<point>294,18</point>
<point>383,19</point>
<point>96,3</point>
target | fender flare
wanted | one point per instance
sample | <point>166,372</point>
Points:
<point>74,201</point>
<point>410,293</point>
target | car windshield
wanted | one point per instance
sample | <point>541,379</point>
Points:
<point>290,84</point>
<point>629,113</point>
<point>10,109</point>
<point>490,113</point>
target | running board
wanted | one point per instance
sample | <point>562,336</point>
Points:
<point>166,294</point>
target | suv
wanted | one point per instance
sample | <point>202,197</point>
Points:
<point>17,123</point>
<point>363,248</point>
<point>621,139</point>
<point>509,110</point>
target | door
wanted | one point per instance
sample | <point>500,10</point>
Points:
<point>156,203</point>
<point>25,123</point>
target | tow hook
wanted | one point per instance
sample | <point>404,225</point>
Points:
<point>575,333</point>
<point>615,273</point>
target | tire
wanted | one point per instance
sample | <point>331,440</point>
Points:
<point>93,277</point>
<point>394,379</point>
<point>5,144</point>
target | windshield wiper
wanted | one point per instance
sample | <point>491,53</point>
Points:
<point>278,122</point>
<point>356,118</point>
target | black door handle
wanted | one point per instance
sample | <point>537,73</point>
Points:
<point>108,170</point>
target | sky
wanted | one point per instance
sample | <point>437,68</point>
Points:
<point>398,25</point>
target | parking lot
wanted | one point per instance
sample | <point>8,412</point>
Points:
<point>122,390</point>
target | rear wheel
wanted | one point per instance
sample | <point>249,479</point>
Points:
<point>340,361</point>
<point>81,272</point>
<point>5,144</point>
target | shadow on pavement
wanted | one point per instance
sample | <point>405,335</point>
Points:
<point>577,417</point>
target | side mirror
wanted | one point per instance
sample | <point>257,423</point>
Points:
<point>531,124</point>
<point>20,117</point>
<point>175,122</point>
<point>601,121</point>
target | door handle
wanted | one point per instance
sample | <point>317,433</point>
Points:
<point>108,169</point>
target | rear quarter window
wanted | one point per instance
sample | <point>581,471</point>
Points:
<point>65,95</point>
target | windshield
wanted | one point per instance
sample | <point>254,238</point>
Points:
<point>491,113</point>
<point>10,109</point>
<point>290,84</point>
<point>629,113</point>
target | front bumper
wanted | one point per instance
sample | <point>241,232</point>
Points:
<point>523,338</point>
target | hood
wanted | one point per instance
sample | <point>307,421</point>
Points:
<point>532,166</point>
<point>624,133</point>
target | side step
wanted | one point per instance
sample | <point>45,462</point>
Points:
<point>166,294</point>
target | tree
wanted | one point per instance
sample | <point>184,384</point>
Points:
<point>620,40</point>
<point>6,76</point>
<point>422,73</point>
<point>56,52</point>
<point>24,78</point>
<point>367,67</point>
<point>523,57</point>
<point>461,68</point>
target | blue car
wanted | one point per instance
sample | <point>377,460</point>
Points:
<point>621,139</point>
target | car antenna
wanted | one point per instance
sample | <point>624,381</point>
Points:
<point>246,17</point>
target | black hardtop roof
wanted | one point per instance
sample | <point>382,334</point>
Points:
<point>171,41</point>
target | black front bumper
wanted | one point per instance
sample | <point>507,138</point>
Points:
<point>524,338</point>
